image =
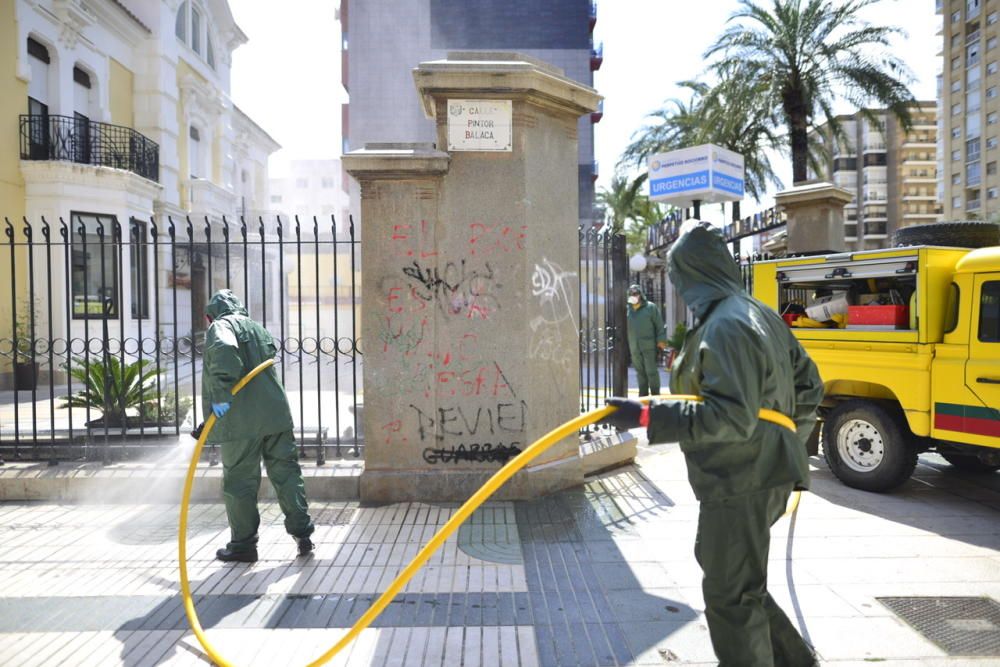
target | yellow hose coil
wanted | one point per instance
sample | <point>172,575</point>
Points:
<point>463,513</point>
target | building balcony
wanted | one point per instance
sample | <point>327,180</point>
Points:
<point>932,197</point>
<point>593,14</point>
<point>874,147</point>
<point>596,116</point>
<point>875,228</point>
<point>973,205</point>
<point>920,178</point>
<point>595,170</point>
<point>597,57</point>
<point>48,137</point>
<point>920,142</point>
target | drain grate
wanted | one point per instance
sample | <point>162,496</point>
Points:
<point>959,625</point>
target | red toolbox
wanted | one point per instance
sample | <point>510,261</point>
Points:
<point>895,316</point>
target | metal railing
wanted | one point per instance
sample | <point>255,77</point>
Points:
<point>603,285</point>
<point>48,137</point>
<point>112,315</point>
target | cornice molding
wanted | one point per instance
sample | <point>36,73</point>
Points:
<point>44,172</point>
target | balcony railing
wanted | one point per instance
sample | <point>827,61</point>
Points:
<point>593,14</point>
<point>875,228</point>
<point>597,57</point>
<point>47,137</point>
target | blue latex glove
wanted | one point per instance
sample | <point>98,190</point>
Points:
<point>220,409</point>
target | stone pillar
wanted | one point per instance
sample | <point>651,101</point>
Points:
<point>815,217</point>
<point>470,293</point>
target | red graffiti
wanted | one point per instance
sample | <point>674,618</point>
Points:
<point>485,240</point>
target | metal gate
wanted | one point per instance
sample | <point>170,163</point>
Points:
<point>102,350</point>
<point>603,283</point>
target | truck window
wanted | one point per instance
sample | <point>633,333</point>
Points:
<point>951,317</point>
<point>989,312</point>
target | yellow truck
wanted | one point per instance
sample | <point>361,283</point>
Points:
<point>913,364</point>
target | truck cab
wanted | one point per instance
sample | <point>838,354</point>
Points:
<point>907,341</point>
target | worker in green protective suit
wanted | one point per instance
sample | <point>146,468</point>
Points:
<point>254,424</point>
<point>739,357</point>
<point>645,338</point>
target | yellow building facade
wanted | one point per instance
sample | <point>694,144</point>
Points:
<point>115,112</point>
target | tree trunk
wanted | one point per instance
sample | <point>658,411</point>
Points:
<point>799,133</point>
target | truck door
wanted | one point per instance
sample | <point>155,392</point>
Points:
<point>982,371</point>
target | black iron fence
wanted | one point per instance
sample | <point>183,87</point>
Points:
<point>78,139</point>
<point>603,284</point>
<point>101,354</point>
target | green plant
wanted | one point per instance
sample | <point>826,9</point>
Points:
<point>114,389</point>
<point>168,409</point>
<point>23,331</point>
<point>676,340</point>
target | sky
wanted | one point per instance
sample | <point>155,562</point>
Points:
<point>287,77</point>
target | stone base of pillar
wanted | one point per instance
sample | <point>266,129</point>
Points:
<point>395,486</point>
<point>815,217</point>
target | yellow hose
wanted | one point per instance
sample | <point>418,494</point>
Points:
<point>463,513</point>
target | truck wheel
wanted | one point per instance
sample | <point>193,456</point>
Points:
<point>969,463</point>
<point>958,234</point>
<point>866,446</point>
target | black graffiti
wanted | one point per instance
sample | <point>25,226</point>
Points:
<point>459,421</point>
<point>486,452</point>
<point>455,287</point>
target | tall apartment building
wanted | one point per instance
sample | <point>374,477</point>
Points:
<point>969,109</point>
<point>311,188</point>
<point>892,172</point>
<point>384,40</point>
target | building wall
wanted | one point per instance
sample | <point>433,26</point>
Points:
<point>890,171</point>
<point>141,77</point>
<point>384,106</point>
<point>312,188</point>
<point>969,94</point>
<point>122,97</point>
<point>12,103</point>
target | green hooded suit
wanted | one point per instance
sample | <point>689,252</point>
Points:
<point>258,424</point>
<point>739,357</point>
<point>645,331</point>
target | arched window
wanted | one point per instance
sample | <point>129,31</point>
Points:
<point>192,27</point>
<point>181,25</point>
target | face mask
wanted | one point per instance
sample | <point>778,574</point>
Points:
<point>633,300</point>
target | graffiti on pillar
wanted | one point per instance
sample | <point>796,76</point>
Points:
<point>456,288</point>
<point>554,330</point>
<point>486,452</point>
<point>477,415</point>
<point>485,240</point>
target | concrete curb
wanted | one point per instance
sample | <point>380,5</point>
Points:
<point>152,483</point>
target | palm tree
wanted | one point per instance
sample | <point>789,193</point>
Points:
<point>674,126</point>
<point>804,54</point>
<point>622,201</point>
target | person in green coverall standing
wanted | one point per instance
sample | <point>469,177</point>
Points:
<point>645,338</point>
<point>254,424</point>
<point>739,357</point>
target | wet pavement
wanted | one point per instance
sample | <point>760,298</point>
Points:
<point>599,575</point>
